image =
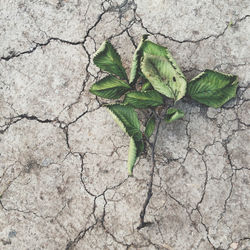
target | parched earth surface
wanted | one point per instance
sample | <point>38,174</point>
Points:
<point>63,176</point>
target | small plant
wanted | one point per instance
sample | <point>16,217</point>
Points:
<point>156,82</point>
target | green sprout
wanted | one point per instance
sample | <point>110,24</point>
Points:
<point>156,83</point>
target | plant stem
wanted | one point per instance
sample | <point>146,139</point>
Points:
<point>150,185</point>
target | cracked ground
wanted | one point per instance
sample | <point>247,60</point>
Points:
<point>63,176</point>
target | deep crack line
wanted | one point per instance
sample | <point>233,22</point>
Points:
<point>38,45</point>
<point>216,36</point>
<point>71,244</point>
<point>16,119</point>
<point>74,43</point>
<point>204,186</point>
<point>231,182</point>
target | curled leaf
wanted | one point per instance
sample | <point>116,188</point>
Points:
<point>146,86</point>
<point>150,127</point>
<point>131,156</point>
<point>135,149</point>
<point>173,114</point>
<point>127,119</point>
<point>135,68</point>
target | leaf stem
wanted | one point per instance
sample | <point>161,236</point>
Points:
<point>150,185</point>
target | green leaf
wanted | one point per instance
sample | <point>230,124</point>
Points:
<point>173,114</point>
<point>135,68</point>
<point>158,50</point>
<point>135,149</point>
<point>107,59</point>
<point>131,156</point>
<point>150,98</point>
<point>127,119</point>
<point>110,88</point>
<point>163,76</point>
<point>150,127</point>
<point>146,86</point>
<point>213,88</point>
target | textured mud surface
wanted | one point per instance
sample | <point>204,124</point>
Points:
<point>63,180</point>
